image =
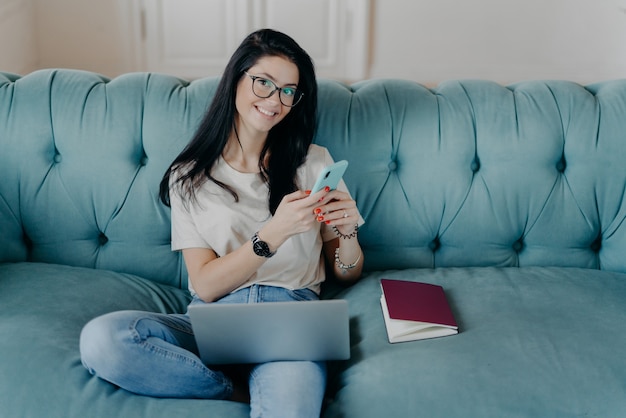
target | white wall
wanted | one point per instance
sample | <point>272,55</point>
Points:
<point>502,40</point>
<point>18,46</point>
<point>84,34</point>
<point>424,40</point>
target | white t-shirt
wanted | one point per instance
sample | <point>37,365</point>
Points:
<point>215,221</point>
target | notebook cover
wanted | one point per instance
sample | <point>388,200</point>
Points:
<point>416,301</point>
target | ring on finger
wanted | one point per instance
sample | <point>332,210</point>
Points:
<point>345,214</point>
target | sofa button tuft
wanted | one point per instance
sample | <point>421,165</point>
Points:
<point>561,165</point>
<point>518,245</point>
<point>393,166</point>
<point>596,245</point>
<point>102,239</point>
<point>57,158</point>
<point>143,161</point>
<point>475,165</point>
<point>434,245</point>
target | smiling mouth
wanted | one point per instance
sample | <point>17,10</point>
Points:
<point>266,112</point>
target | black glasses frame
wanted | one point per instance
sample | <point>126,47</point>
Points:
<point>297,97</point>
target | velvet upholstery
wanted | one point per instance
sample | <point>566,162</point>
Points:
<point>511,197</point>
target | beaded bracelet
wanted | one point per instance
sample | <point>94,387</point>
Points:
<point>345,267</point>
<point>349,236</point>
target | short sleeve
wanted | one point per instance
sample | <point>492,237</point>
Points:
<point>185,233</point>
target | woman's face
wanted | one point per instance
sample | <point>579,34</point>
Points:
<point>259,115</point>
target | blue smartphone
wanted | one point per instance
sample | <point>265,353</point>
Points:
<point>330,176</point>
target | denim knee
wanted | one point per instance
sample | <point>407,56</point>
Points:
<point>287,389</point>
<point>99,344</point>
<point>149,354</point>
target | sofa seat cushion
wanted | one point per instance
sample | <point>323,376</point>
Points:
<point>532,342</point>
<point>43,309</point>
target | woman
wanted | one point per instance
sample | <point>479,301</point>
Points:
<point>249,232</point>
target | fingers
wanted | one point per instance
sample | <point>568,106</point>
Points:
<point>331,207</point>
<point>339,217</point>
<point>340,209</point>
<point>297,195</point>
<point>307,197</point>
<point>296,212</point>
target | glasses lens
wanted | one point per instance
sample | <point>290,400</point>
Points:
<point>263,87</point>
<point>290,96</point>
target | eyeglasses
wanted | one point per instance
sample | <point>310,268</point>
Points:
<point>264,88</point>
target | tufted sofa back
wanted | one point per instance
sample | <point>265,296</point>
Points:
<point>80,164</point>
<point>468,174</point>
<point>476,174</point>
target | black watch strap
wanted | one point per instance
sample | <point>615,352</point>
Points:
<point>261,248</point>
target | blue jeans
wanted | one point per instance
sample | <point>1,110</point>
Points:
<point>156,355</point>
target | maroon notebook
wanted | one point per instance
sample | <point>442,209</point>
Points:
<point>415,310</point>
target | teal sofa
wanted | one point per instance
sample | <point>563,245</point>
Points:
<point>513,198</point>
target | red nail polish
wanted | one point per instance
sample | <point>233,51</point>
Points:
<point>317,211</point>
<point>320,218</point>
<point>327,188</point>
<point>327,222</point>
<point>307,191</point>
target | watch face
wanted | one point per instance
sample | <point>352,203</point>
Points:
<point>262,249</point>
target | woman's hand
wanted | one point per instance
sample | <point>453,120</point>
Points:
<point>339,210</point>
<point>297,213</point>
<point>344,253</point>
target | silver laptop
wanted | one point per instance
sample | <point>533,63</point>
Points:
<point>232,333</point>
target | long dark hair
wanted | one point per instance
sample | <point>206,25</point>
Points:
<point>287,143</point>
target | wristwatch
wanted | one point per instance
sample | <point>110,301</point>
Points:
<point>261,248</point>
